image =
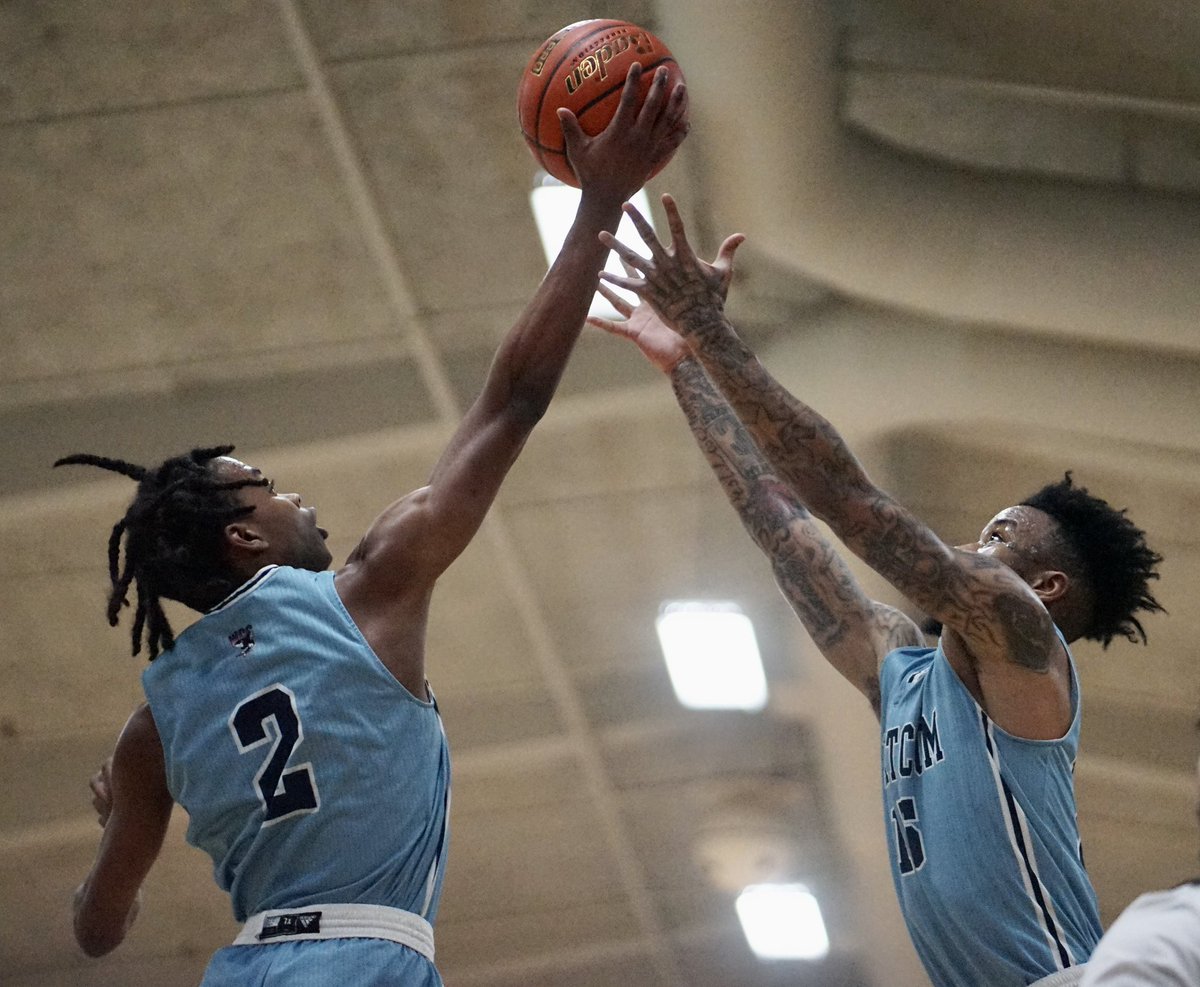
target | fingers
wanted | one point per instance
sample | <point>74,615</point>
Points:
<point>618,302</point>
<point>101,782</point>
<point>645,231</point>
<point>629,284</point>
<point>730,245</point>
<point>629,258</point>
<point>627,108</point>
<point>101,786</point>
<point>677,106</point>
<point>572,132</point>
<point>606,324</point>
<point>670,143</point>
<point>672,125</point>
<point>657,101</point>
<point>679,241</point>
<point>724,262</point>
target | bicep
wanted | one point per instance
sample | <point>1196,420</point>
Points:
<point>416,538</point>
<point>132,838</point>
<point>994,611</point>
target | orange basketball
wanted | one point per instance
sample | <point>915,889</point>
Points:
<point>583,68</point>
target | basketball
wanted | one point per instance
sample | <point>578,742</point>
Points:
<point>583,68</point>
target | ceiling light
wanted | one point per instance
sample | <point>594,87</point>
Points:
<point>782,922</point>
<point>712,655</point>
<point>554,205</point>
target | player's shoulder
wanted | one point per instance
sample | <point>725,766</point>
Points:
<point>140,726</point>
<point>139,746</point>
<point>272,587</point>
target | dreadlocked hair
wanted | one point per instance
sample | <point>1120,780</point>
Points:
<point>173,539</point>
<point>1117,564</point>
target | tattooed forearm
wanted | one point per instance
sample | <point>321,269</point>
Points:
<point>804,448</point>
<point>810,602</point>
<point>717,431</point>
<point>843,623</point>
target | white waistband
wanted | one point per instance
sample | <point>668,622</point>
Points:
<point>1069,977</point>
<point>339,922</point>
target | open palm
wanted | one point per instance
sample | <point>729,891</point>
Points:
<point>659,343</point>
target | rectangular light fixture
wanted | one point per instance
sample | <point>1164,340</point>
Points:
<point>712,655</point>
<point>782,922</point>
<point>554,205</point>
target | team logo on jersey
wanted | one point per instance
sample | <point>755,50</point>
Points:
<point>243,639</point>
<point>296,924</point>
<point>911,748</point>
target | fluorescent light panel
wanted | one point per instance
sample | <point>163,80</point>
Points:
<point>554,205</point>
<point>712,655</point>
<point>782,922</point>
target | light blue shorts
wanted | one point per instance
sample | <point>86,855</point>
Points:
<point>321,963</point>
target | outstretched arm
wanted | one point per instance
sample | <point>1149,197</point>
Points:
<point>998,618</point>
<point>853,632</point>
<point>413,541</point>
<point>134,807</point>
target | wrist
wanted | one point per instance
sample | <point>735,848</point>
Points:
<point>681,364</point>
<point>601,205</point>
<point>703,322</point>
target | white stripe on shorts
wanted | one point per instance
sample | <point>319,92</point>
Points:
<point>1064,978</point>
<point>341,921</point>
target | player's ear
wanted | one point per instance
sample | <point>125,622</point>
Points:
<point>1050,585</point>
<point>242,536</point>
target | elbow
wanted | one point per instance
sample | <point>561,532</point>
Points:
<point>95,936</point>
<point>96,943</point>
<point>845,505</point>
<point>833,500</point>
<point>530,406</point>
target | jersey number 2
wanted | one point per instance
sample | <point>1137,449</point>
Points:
<point>910,851</point>
<point>282,793</point>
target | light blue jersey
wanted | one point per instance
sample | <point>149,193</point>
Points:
<point>985,845</point>
<point>309,773</point>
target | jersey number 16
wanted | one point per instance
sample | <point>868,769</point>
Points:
<point>910,851</point>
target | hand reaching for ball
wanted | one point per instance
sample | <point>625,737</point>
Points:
<point>605,73</point>
<point>638,141</point>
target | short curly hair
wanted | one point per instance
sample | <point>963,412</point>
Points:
<point>1111,555</point>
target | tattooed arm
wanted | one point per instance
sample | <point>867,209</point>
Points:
<point>999,634</point>
<point>853,632</point>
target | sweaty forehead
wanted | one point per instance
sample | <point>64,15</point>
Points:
<point>234,469</point>
<point>1022,517</point>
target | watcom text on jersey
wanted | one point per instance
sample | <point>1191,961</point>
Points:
<point>911,749</point>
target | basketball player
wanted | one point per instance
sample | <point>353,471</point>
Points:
<point>1155,942</point>
<point>979,733</point>
<point>293,721</point>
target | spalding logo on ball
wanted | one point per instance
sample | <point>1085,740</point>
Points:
<point>583,68</point>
